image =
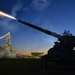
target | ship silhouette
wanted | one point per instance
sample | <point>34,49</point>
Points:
<point>63,48</point>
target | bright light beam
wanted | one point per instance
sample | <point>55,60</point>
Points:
<point>6,15</point>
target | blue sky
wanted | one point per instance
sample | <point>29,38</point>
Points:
<point>54,15</point>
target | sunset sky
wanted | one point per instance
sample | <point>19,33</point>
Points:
<point>53,15</point>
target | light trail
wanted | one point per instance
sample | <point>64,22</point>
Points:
<point>7,15</point>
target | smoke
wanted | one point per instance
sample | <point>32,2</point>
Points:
<point>6,24</point>
<point>40,4</point>
<point>17,7</point>
<point>7,54</point>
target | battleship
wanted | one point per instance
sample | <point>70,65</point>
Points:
<point>62,55</point>
<point>60,59</point>
<point>64,46</point>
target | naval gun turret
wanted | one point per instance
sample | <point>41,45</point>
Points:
<point>63,48</point>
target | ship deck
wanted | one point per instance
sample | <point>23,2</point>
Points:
<point>34,67</point>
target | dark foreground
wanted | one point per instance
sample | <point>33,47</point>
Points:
<point>32,67</point>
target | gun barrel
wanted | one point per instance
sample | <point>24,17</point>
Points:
<point>40,29</point>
